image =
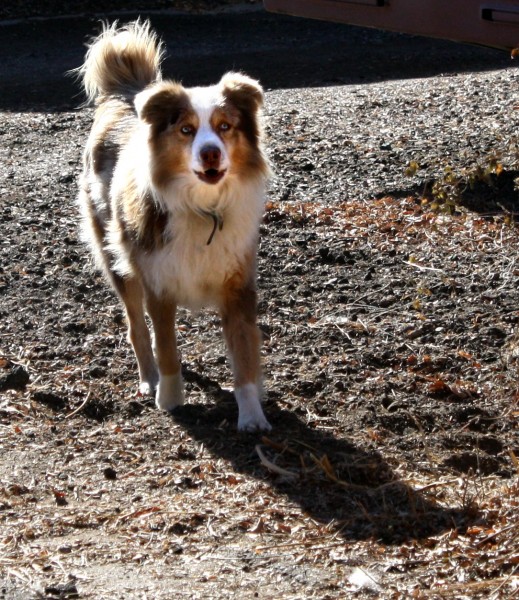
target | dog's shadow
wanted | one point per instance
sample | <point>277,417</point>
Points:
<point>354,492</point>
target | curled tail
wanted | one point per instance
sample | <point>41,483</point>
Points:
<point>122,61</point>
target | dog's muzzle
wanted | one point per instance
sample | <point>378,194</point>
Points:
<point>210,159</point>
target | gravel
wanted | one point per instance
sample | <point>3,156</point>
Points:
<point>389,294</point>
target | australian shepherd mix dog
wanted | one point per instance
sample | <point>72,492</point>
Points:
<point>172,195</point>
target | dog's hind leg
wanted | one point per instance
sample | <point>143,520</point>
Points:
<point>131,293</point>
<point>170,391</point>
<point>244,341</point>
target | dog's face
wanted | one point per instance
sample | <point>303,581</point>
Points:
<point>202,136</point>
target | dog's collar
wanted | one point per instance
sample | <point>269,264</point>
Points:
<point>217,222</point>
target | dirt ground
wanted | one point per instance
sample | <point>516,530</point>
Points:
<point>389,304</point>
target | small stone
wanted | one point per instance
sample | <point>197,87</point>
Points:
<point>16,379</point>
<point>110,473</point>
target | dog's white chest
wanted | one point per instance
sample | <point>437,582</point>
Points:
<point>190,269</point>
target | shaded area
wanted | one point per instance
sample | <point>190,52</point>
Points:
<point>484,193</point>
<point>14,9</point>
<point>282,52</point>
<point>351,490</point>
<point>493,194</point>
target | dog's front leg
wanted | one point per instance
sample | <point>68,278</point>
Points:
<point>131,292</point>
<point>243,341</point>
<point>170,391</point>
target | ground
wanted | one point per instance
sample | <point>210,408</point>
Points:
<point>389,303</point>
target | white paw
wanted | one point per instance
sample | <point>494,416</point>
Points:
<point>146,388</point>
<point>257,423</point>
<point>250,413</point>
<point>170,392</point>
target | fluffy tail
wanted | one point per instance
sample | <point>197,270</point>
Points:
<point>122,61</point>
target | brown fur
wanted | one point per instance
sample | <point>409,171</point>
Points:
<point>155,240</point>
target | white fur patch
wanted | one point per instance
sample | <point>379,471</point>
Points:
<point>204,101</point>
<point>250,413</point>
<point>170,392</point>
<point>189,269</point>
<point>146,388</point>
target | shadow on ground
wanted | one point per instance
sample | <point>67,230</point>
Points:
<point>282,52</point>
<point>353,492</point>
<point>484,193</point>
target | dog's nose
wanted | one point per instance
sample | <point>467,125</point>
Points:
<point>210,156</point>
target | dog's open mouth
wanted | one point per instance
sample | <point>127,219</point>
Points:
<point>211,176</point>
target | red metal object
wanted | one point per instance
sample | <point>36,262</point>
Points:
<point>494,24</point>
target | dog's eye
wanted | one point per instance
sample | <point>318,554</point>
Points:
<point>224,126</point>
<point>187,130</point>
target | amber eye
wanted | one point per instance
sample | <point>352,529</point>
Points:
<point>223,127</point>
<point>187,130</point>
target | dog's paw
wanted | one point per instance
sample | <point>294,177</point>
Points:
<point>170,392</point>
<point>258,423</point>
<point>146,388</point>
<point>250,413</point>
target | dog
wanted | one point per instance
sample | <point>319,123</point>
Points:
<point>172,196</point>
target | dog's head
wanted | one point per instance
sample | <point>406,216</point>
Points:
<point>204,135</point>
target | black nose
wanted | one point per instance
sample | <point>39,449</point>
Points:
<point>210,156</point>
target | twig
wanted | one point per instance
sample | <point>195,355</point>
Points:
<point>277,446</point>
<point>325,465</point>
<point>421,267</point>
<point>433,485</point>
<point>466,588</point>
<point>79,408</point>
<point>496,534</point>
<point>507,580</point>
<point>272,467</point>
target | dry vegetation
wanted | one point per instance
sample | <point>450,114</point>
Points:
<point>100,498</point>
<point>389,306</point>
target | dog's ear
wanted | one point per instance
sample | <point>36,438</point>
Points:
<point>162,105</point>
<point>242,91</point>
<point>246,95</point>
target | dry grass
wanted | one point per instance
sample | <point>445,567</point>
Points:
<point>81,499</point>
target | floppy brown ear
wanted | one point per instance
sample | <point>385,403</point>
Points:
<point>162,105</point>
<point>245,93</point>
